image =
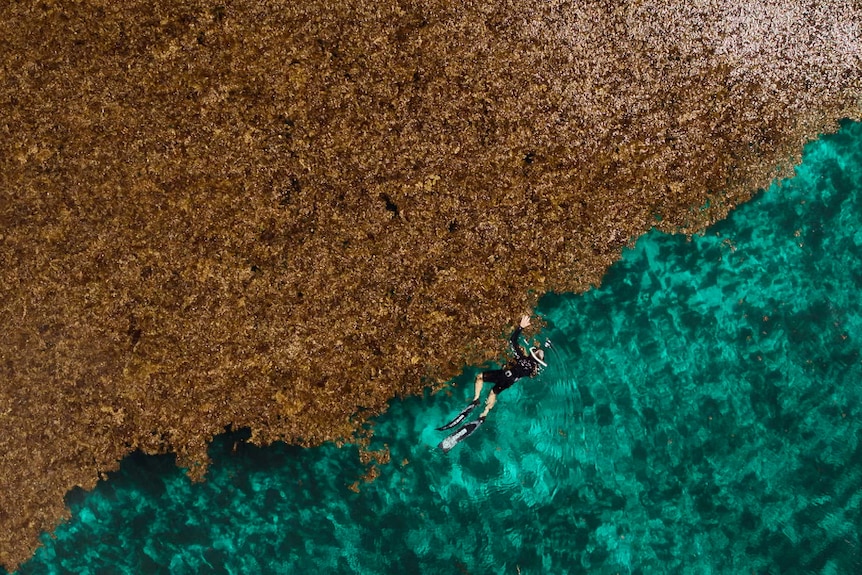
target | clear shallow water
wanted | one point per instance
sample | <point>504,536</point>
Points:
<point>701,414</point>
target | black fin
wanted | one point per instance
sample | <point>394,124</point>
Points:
<point>460,435</point>
<point>460,417</point>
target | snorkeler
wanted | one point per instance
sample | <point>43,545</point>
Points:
<point>522,365</point>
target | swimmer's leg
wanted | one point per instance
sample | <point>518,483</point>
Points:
<point>477,387</point>
<point>489,405</point>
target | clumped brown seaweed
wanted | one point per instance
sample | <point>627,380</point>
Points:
<point>280,215</point>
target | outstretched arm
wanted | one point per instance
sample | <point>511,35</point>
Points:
<point>515,339</point>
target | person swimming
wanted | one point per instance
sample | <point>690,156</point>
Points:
<point>520,366</point>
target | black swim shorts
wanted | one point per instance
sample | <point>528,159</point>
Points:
<point>501,378</point>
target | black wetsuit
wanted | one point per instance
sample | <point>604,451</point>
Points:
<point>522,365</point>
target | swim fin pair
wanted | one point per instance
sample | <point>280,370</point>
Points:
<point>462,433</point>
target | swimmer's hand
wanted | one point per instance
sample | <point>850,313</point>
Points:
<point>525,321</point>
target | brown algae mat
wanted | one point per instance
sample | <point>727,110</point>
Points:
<point>280,215</point>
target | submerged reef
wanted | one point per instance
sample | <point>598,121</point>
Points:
<point>279,216</point>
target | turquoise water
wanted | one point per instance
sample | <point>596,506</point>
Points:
<point>701,415</point>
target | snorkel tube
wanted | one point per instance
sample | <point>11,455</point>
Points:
<point>535,356</point>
